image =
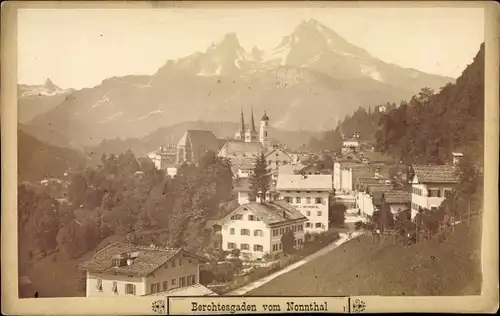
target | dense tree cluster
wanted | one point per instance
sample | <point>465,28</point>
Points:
<point>124,196</point>
<point>432,125</point>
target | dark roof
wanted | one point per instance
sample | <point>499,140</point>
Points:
<point>236,147</point>
<point>265,117</point>
<point>273,212</point>
<point>148,260</point>
<point>397,197</point>
<point>435,173</point>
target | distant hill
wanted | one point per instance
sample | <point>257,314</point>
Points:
<point>37,160</point>
<point>309,81</point>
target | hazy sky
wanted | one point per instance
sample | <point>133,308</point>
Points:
<point>79,48</point>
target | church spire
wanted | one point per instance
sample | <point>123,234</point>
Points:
<point>253,122</point>
<point>242,122</point>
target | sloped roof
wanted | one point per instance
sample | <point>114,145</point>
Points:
<point>272,212</point>
<point>279,150</point>
<point>290,168</point>
<point>200,138</point>
<point>148,260</point>
<point>435,173</point>
<point>235,147</point>
<point>192,290</point>
<point>397,197</point>
<point>316,182</point>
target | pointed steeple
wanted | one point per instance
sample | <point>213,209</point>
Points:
<point>242,122</point>
<point>253,122</point>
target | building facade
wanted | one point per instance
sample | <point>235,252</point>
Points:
<point>256,228</point>
<point>310,194</point>
<point>123,269</point>
<point>430,186</point>
<point>278,157</point>
<point>194,144</point>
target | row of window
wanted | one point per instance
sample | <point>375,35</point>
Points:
<point>317,225</point>
<point>270,162</point>
<point>239,217</point>
<point>232,245</point>
<point>282,230</point>
<point>318,213</point>
<point>278,247</point>
<point>183,281</point>
<point>308,200</point>
<point>246,232</point>
<point>431,192</point>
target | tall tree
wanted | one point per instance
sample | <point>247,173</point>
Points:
<point>260,179</point>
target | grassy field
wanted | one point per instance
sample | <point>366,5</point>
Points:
<point>364,267</point>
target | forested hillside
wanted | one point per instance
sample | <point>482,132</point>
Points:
<point>38,160</point>
<point>123,197</point>
<point>427,128</point>
<point>432,125</point>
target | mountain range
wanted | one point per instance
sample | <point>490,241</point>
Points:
<point>312,79</point>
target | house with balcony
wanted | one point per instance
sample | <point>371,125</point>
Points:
<point>121,269</point>
<point>430,185</point>
<point>310,194</point>
<point>256,228</point>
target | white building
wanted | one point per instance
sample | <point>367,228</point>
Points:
<point>256,228</point>
<point>278,157</point>
<point>124,269</point>
<point>430,184</point>
<point>310,195</point>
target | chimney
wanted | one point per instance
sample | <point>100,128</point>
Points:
<point>259,197</point>
<point>456,158</point>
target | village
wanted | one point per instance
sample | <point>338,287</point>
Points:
<point>291,219</point>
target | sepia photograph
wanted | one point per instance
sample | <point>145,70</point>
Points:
<point>245,151</point>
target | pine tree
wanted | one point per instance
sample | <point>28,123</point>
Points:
<point>260,179</point>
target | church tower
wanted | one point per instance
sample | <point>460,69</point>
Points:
<point>264,126</point>
<point>251,133</point>
<point>240,135</point>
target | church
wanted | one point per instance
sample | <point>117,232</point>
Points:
<point>247,142</point>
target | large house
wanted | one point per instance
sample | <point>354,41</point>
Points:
<point>430,185</point>
<point>125,269</point>
<point>256,228</point>
<point>278,157</point>
<point>310,194</point>
<point>194,144</point>
<point>163,157</point>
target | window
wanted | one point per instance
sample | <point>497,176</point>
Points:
<point>245,232</point>
<point>288,199</point>
<point>434,193</point>
<point>180,261</point>
<point>308,213</point>
<point>182,281</point>
<point>173,281</point>
<point>275,247</point>
<point>318,213</point>
<point>155,287</point>
<point>130,289</point>
<point>190,261</point>
<point>237,217</point>
<point>308,200</point>
<point>251,217</point>
<point>245,247</point>
<point>231,231</point>
<point>280,246</point>
<point>173,263</point>
<point>308,224</point>
<point>258,232</point>
<point>275,232</point>
<point>318,200</point>
<point>190,280</point>
<point>297,199</point>
<point>165,285</point>
<point>282,231</point>
<point>115,287</point>
<point>258,248</point>
<point>193,279</point>
<point>299,241</point>
<point>99,285</point>
<point>294,228</point>
<point>318,225</point>
<point>287,229</point>
<point>231,245</point>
